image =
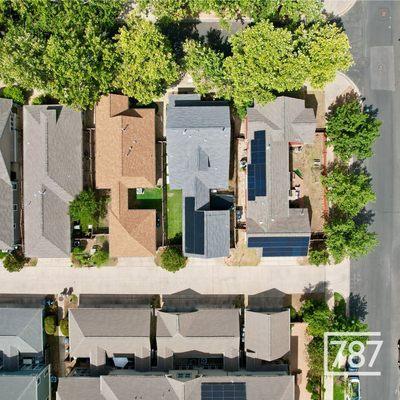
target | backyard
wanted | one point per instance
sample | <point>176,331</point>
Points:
<point>152,199</point>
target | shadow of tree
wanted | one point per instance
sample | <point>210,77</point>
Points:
<point>319,291</point>
<point>218,42</point>
<point>358,306</point>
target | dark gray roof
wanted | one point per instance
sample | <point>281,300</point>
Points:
<point>284,120</point>
<point>198,135</point>
<point>6,191</point>
<point>53,176</point>
<point>166,388</point>
<point>22,329</point>
<point>267,334</point>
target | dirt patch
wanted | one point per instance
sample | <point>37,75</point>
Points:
<point>242,256</point>
<point>309,161</point>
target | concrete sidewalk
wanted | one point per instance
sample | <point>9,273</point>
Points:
<point>206,279</point>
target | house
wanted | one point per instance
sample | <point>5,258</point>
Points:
<point>26,384</point>
<point>198,146</point>
<point>53,176</point>
<point>271,224</point>
<point>221,386</point>
<point>21,338</point>
<point>110,336</point>
<point>9,176</point>
<point>126,164</point>
<point>267,337</point>
<point>202,339</point>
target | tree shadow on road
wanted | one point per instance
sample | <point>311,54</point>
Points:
<point>318,291</point>
<point>358,306</point>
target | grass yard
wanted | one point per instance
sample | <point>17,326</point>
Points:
<point>174,212</point>
<point>338,390</point>
<point>151,199</point>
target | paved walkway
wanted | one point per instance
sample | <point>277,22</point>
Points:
<point>206,279</point>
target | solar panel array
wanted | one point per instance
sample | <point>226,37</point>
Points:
<point>256,174</point>
<point>223,391</point>
<point>282,246</point>
<point>194,228</point>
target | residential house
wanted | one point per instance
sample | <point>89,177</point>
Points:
<point>26,384</point>
<point>9,176</point>
<point>207,339</point>
<point>110,337</point>
<point>126,164</point>
<point>53,176</point>
<point>272,224</point>
<point>221,386</point>
<point>267,337</point>
<point>198,146</point>
<point>21,338</point>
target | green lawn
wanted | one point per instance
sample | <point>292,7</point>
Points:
<point>338,390</point>
<point>174,212</point>
<point>151,199</point>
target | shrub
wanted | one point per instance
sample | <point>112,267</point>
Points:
<point>100,257</point>
<point>80,257</point>
<point>293,314</point>
<point>64,328</point>
<point>14,262</point>
<point>3,255</point>
<point>15,93</point>
<point>172,259</point>
<point>50,324</point>
<point>318,257</point>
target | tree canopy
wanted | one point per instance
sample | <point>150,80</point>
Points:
<point>148,67</point>
<point>352,130</point>
<point>172,259</point>
<point>348,190</point>
<point>346,238</point>
<point>14,262</point>
<point>64,48</point>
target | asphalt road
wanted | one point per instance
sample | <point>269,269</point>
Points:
<point>373,28</point>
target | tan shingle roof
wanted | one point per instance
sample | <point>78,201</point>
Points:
<point>125,159</point>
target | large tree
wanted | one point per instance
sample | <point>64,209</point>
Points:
<point>352,130</point>
<point>348,190</point>
<point>346,238</point>
<point>148,66</point>
<point>64,48</point>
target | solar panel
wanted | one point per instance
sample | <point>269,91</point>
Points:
<point>223,391</point>
<point>281,246</point>
<point>256,175</point>
<point>194,228</point>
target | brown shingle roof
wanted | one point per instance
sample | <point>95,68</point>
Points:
<point>125,159</point>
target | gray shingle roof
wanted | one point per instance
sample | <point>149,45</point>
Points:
<point>208,331</point>
<point>18,387</point>
<point>22,329</point>
<point>123,331</point>
<point>198,135</point>
<point>52,177</point>
<point>166,388</point>
<point>267,334</point>
<point>283,120</point>
<point>6,191</point>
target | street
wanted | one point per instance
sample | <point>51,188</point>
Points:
<point>373,29</point>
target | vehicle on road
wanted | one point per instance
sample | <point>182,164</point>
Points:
<point>398,350</point>
<point>354,388</point>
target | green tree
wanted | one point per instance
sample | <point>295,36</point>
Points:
<point>327,48</point>
<point>263,62</point>
<point>171,9</point>
<point>14,93</point>
<point>318,257</point>
<point>88,209</point>
<point>205,67</point>
<point>14,262</point>
<point>148,67</point>
<point>50,325</point>
<point>318,316</point>
<point>100,257</point>
<point>64,326</point>
<point>352,130</point>
<point>348,190</point>
<point>345,238</point>
<point>172,259</point>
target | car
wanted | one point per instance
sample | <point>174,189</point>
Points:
<point>398,349</point>
<point>354,392</point>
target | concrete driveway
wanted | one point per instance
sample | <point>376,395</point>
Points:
<point>205,279</point>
